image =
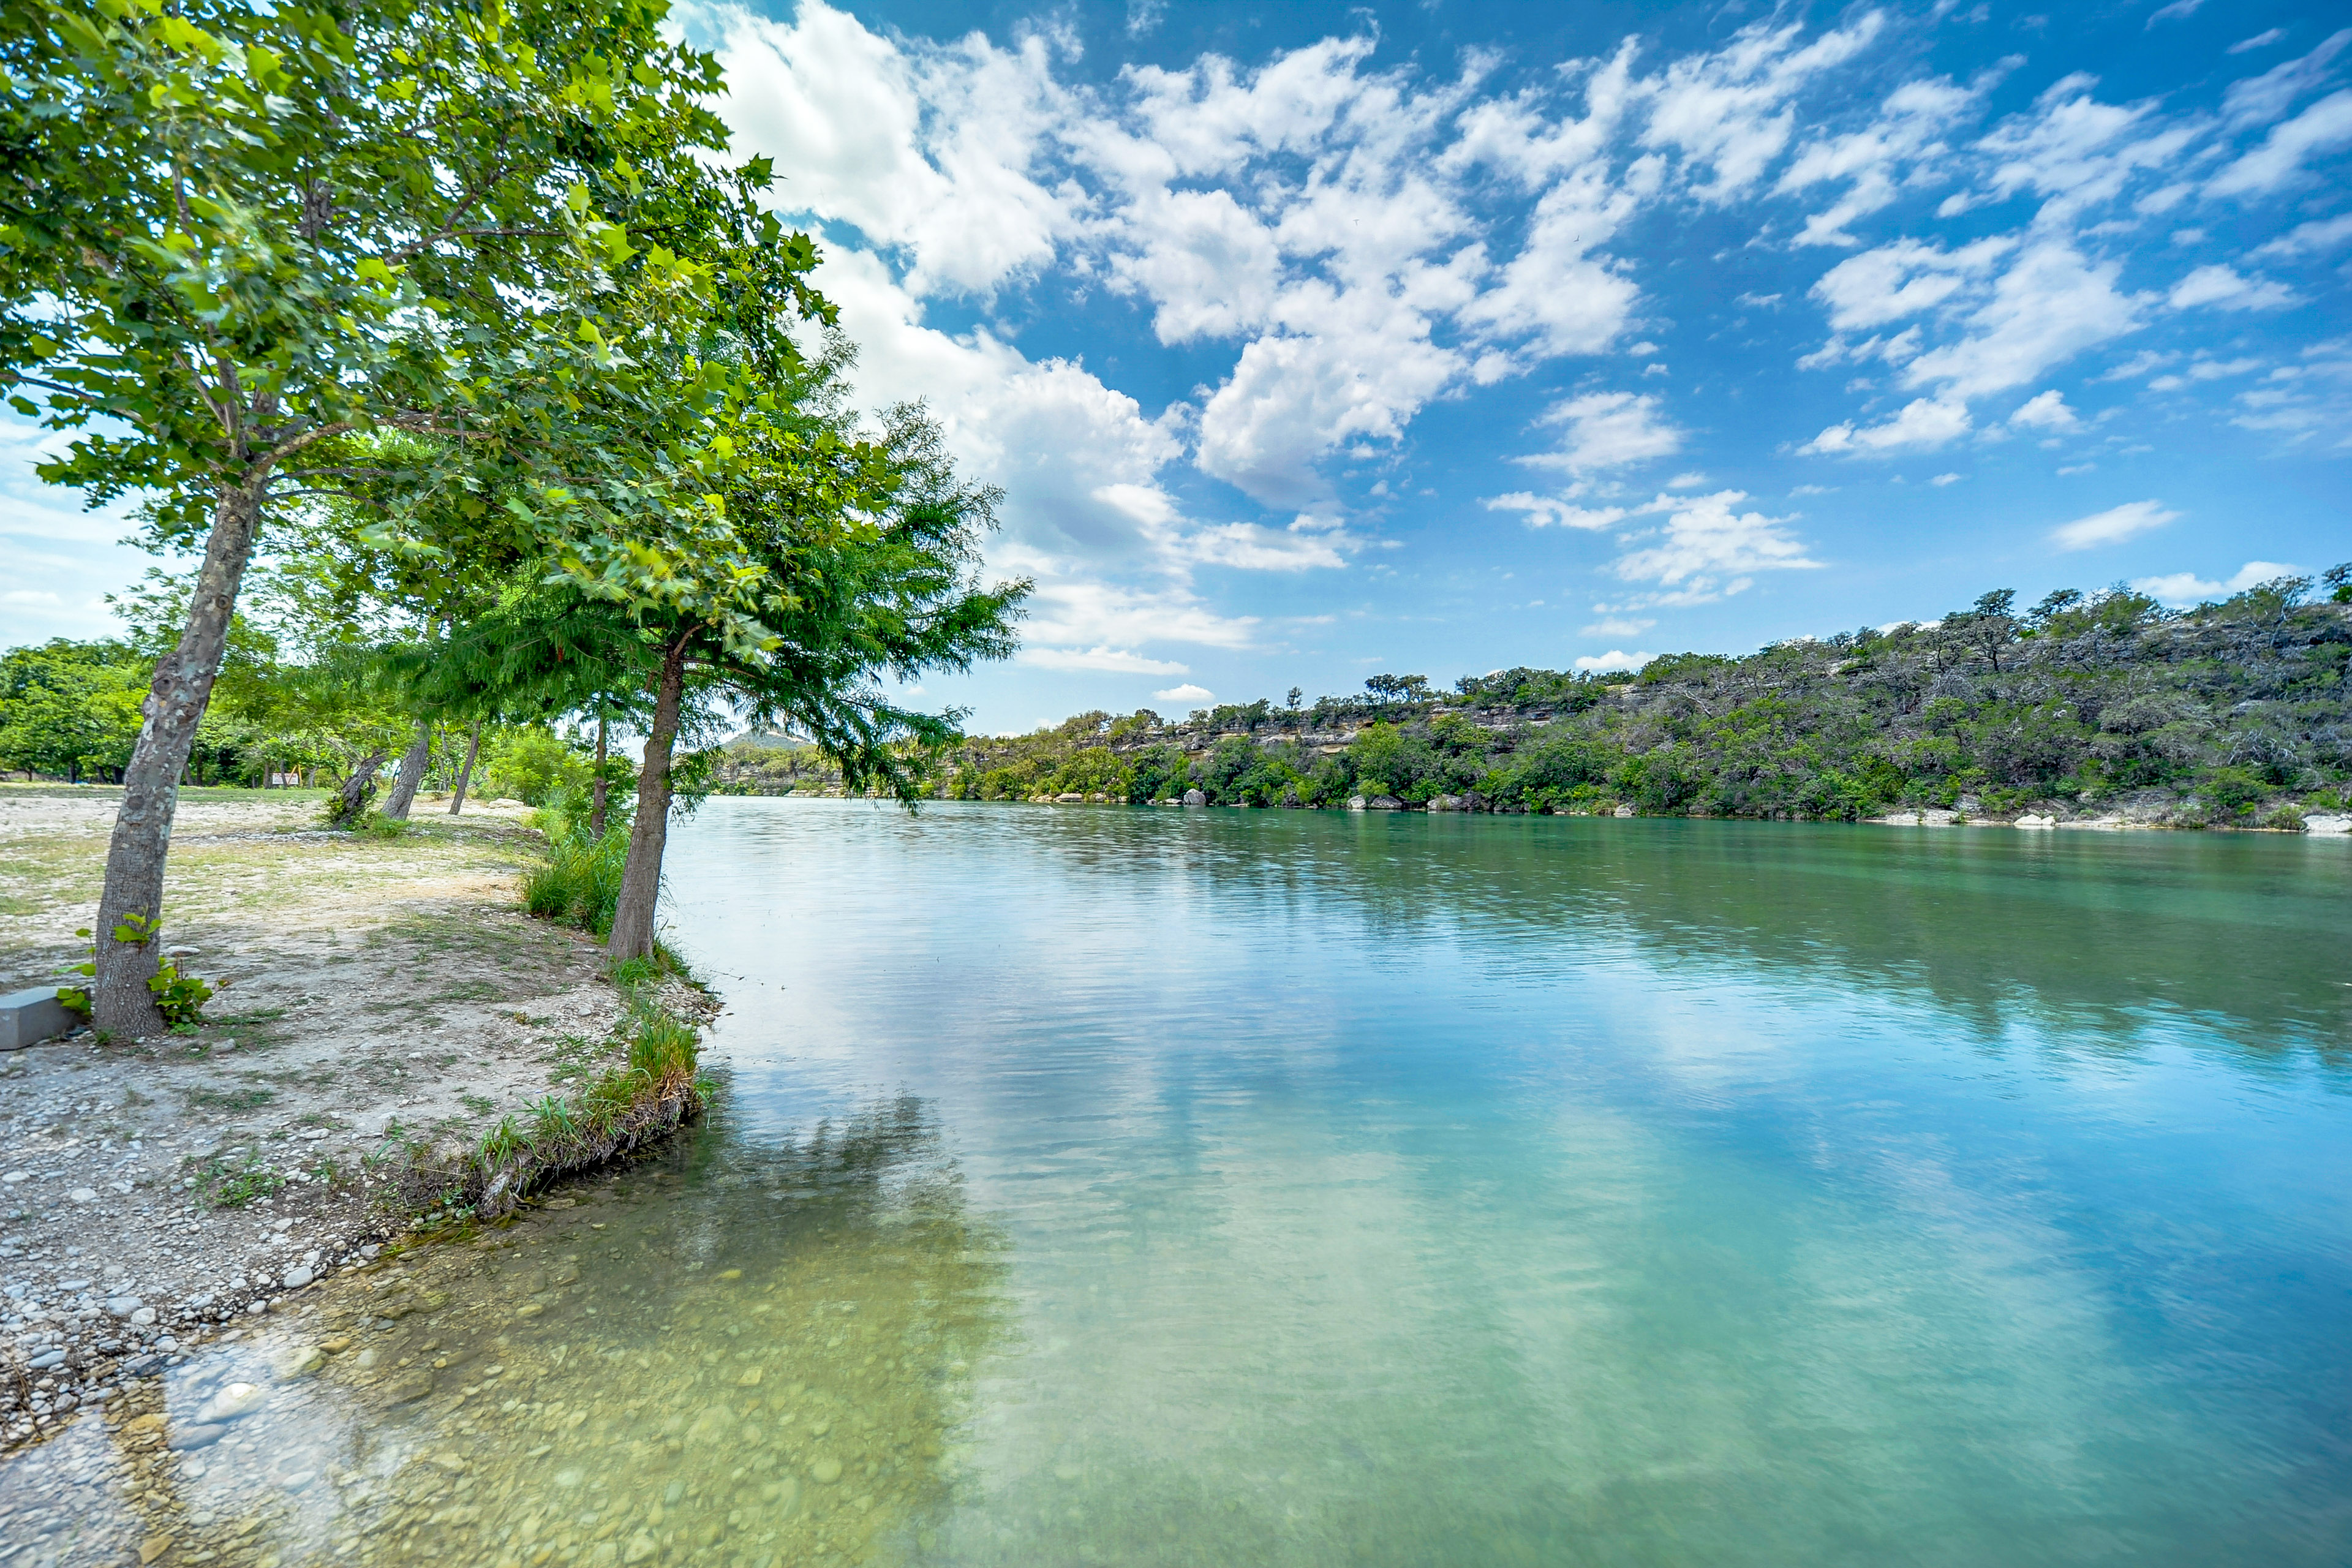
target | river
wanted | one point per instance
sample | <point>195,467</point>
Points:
<point>1098,1186</point>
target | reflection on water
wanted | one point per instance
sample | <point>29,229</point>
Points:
<point>1219,1188</point>
<point>745,1357</point>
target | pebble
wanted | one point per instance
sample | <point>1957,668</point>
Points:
<point>297,1277</point>
<point>84,1195</point>
<point>826,1470</point>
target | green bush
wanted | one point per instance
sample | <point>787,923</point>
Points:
<point>530,765</point>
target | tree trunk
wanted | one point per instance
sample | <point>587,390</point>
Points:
<point>411,772</point>
<point>358,787</point>
<point>473,746</point>
<point>120,1003</point>
<point>599,787</point>
<point>633,918</point>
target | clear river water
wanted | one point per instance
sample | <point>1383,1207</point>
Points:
<point>1095,1186</point>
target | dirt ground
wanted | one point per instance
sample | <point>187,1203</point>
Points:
<point>371,991</point>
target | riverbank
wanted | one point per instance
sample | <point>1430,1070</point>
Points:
<point>383,1004</point>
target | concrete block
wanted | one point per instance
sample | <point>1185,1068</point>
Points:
<point>28,1017</point>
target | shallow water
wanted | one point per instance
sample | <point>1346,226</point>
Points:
<point>1209,1187</point>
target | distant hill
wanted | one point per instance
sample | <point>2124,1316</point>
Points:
<point>2102,706</point>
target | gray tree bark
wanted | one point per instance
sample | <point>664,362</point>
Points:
<point>120,1003</point>
<point>465,773</point>
<point>411,772</point>
<point>633,918</point>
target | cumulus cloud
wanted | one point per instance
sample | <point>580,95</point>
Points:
<point>1188,692</point>
<point>2181,589</point>
<point>2048,306</point>
<point>1925,422</point>
<point>1710,548</point>
<point>2045,411</point>
<point>2112,526</point>
<point>1904,144</point>
<point>1614,659</point>
<point>1610,430</point>
<point>1616,627</point>
<point>2225,290</point>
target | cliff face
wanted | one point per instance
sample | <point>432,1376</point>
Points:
<point>2236,714</point>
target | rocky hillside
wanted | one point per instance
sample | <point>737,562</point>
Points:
<point>2102,707</point>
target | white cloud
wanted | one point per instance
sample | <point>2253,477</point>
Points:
<point>2045,411</point>
<point>1555,292</point>
<point>2179,10</point>
<point>1706,542</point>
<point>1119,661</point>
<point>1188,692</point>
<point>2224,289</point>
<point>1940,480</point>
<point>1924,423</point>
<point>932,149</point>
<point>2277,163</point>
<point>1614,659</point>
<point>27,598</point>
<point>2324,234</point>
<point>2262,39</point>
<point>2112,526</point>
<point>1901,279</point>
<point>2260,99</point>
<point>1902,145</point>
<point>1616,627</point>
<point>2180,589</point>
<point>1290,400</point>
<point>1610,430</point>
<point>2049,305</point>
<point>1727,111</point>
<point>1544,512</point>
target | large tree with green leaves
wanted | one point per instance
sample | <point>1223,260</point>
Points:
<point>234,234</point>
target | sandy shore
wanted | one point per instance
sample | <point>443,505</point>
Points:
<point>377,993</point>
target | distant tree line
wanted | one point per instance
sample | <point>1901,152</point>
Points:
<point>2231,712</point>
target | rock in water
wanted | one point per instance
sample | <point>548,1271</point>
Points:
<point>230,1402</point>
<point>826,1470</point>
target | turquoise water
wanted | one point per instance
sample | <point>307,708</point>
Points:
<point>1095,1186</point>
<point>1408,1189</point>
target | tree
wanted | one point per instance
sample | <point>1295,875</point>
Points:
<point>257,229</point>
<point>834,561</point>
<point>69,708</point>
<point>1398,688</point>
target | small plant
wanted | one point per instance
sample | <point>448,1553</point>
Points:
<point>222,1185</point>
<point>180,999</point>
<point>630,973</point>
<point>500,1144</point>
<point>551,1122</point>
<point>376,825</point>
<point>481,1105</point>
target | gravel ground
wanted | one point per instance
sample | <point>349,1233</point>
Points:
<point>372,991</point>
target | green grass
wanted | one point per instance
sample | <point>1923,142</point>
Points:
<point>229,1099</point>
<point>222,1185</point>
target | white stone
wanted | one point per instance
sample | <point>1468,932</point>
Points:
<point>235,1400</point>
<point>2329,825</point>
<point>84,1195</point>
<point>2032,819</point>
<point>297,1278</point>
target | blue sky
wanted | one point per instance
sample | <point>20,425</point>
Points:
<point>1313,341</point>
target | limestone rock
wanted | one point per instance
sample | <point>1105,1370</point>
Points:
<point>1195,797</point>
<point>234,1400</point>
